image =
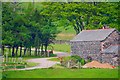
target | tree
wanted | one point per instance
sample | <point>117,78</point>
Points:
<point>14,30</point>
<point>87,15</point>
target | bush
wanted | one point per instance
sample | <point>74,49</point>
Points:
<point>20,67</point>
<point>76,57</point>
<point>82,62</point>
<point>52,55</point>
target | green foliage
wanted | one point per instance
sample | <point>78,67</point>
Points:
<point>20,67</point>
<point>13,67</point>
<point>9,63</point>
<point>9,67</point>
<point>77,58</point>
<point>36,25</point>
<point>83,62</point>
<point>52,55</point>
<point>81,16</point>
<point>26,27</point>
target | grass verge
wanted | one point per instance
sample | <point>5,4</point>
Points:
<point>63,73</point>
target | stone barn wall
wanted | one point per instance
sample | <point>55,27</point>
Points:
<point>85,49</point>
<point>112,39</point>
<point>110,58</point>
<point>93,49</point>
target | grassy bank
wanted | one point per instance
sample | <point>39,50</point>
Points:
<point>66,34</point>
<point>63,73</point>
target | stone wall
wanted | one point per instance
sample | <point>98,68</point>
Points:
<point>85,49</point>
<point>112,39</point>
<point>110,58</point>
<point>93,49</point>
<point>61,41</point>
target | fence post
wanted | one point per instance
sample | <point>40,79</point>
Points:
<point>68,65</point>
<point>79,65</point>
<point>6,57</point>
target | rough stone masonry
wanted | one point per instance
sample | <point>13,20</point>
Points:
<point>101,45</point>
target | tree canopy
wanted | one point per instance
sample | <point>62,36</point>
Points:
<point>35,25</point>
<point>87,15</point>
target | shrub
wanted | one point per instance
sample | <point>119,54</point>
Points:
<point>20,67</point>
<point>52,55</point>
<point>76,57</point>
<point>83,62</point>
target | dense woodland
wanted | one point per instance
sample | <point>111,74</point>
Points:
<point>34,25</point>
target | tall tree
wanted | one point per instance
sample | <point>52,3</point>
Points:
<point>87,15</point>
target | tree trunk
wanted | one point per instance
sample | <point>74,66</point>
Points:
<point>9,50</point>
<point>20,51</point>
<point>13,50</point>
<point>30,51</point>
<point>16,51</point>
<point>39,51</point>
<point>25,51</point>
<point>35,51</point>
<point>42,49</point>
<point>2,49</point>
<point>45,50</point>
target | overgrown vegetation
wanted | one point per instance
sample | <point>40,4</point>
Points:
<point>74,59</point>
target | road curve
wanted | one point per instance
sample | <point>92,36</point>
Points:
<point>45,62</point>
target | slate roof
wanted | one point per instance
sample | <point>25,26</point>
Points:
<point>93,35</point>
<point>112,49</point>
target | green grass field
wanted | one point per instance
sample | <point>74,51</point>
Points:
<point>63,73</point>
<point>61,47</point>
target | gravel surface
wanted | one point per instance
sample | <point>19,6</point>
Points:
<point>44,62</point>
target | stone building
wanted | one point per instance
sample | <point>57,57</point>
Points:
<point>101,45</point>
